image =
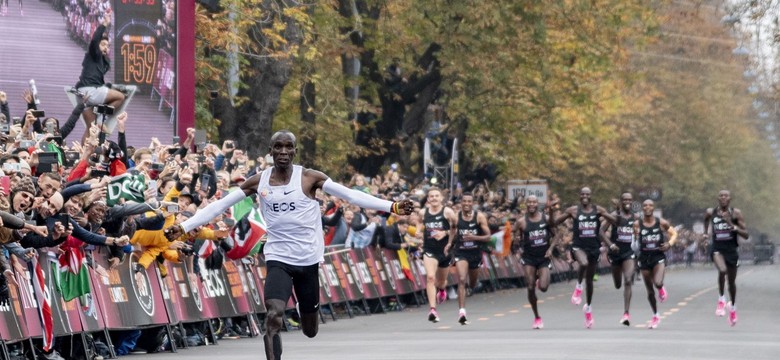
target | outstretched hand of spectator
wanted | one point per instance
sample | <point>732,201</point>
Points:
<point>94,130</point>
<point>185,176</point>
<point>27,96</point>
<point>3,97</point>
<point>121,120</point>
<point>107,19</point>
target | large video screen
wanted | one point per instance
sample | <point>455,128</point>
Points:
<point>46,40</point>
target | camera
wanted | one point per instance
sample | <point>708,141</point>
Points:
<point>176,139</point>
<point>12,167</point>
<point>158,167</point>
<point>229,145</point>
<point>214,94</point>
<point>104,109</point>
<point>38,113</point>
<point>205,181</point>
<point>47,162</point>
<point>4,127</point>
<point>26,144</point>
<point>95,173</point>
<point>172,208</point>
<point>70,158</point>
<point>17,120</point>
<point>152,184</point>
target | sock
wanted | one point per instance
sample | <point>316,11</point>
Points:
<point>578,286</point>
<point>462,310</point>
<point>656,315</point>
<point>733,307</point>
<point>722,298</point>
<point>587,308</point>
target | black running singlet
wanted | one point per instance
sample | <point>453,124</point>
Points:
<point>650,238</point>
<point>536,238</point>
<point>623,232</point>
<point>435,223</point>
<point>723,235</point>
<point>586,229</point>
<point>468,227</point>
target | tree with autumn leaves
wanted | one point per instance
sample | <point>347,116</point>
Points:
<point>576,92</point>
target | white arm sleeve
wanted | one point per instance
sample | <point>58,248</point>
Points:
<point>358,198</point>
<point>203,216</point>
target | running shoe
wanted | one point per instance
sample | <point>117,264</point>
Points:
<point>732,315</point>
<point>452,294</point>
<point>576,297</point>
<point>588,320</point>
<point>462,317</point>
<point>626,319</point>
<point>721,310</point>
<point>433,316</point>
<point>441,296</point>
<point>662,295</point>
<point>654,322</point>
<point>538,324</point>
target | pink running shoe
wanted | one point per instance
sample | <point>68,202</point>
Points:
<point>576,296</point>
<point>433,316</point>
<point>662,295</point>
<point>721,310</point>
<point>732,315</point>
<point>588,320</point>
<point>626,319</point>
<point>441,296</point>
<point>538,324</point>
<point>654,322</point>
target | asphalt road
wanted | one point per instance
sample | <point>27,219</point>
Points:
<point>501,327</point>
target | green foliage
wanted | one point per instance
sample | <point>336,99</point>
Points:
<point>581,92</point>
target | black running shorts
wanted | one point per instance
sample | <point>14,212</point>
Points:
<point>474,257</point>
<point>444,260</point>
<point>647,261</point>
<point>536,262</point>
<point>618,258</point>
<point>281,278</point>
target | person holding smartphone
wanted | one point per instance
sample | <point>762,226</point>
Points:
<point>94,67</point>
<point>295,244</point>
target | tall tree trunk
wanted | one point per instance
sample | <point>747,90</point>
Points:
<point>252,125</point>
<point>308,137</point>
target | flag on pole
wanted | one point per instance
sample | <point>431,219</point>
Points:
<point>406,268</point>
<point>500,243</point>
<point>248,235</point>
<point>206,249</point>
<point>242,208</point>
<point>44,303</point>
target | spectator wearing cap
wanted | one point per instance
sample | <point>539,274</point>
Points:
<point>189,201</point>
<point>108,157</point>
<point>25,168</point>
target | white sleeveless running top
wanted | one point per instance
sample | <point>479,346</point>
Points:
<point>293,221</point>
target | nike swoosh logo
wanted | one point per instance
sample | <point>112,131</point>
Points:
<point>288,192</point>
